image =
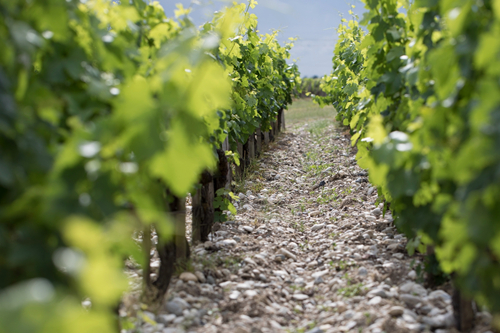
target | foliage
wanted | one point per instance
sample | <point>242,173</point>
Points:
<point>425,113</point>
<point>223,202</point>
<point>104,106</point>
<point>348,62</point>
<point>263,82</point>
<point>310,86</point>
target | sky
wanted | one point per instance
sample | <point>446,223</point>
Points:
<point>314,22</point>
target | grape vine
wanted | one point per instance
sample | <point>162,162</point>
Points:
<point>419,92</point>
<point>104,105</point>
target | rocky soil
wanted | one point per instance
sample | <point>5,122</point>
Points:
<point>309,251</point>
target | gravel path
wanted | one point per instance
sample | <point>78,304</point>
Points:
<point>309,251</point>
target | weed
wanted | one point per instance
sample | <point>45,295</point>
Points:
<point>299,226</point>
<point>368,318</point>
<point>324,199</point>
<point>185,266</point>
<point>339,266</point>
<point>294,287</point>
<point>256,187</point>
<point>208,262</point>
<point>351,290</point>
<point>318,127</point>
<point>419,269</point>
<point>231,263</point>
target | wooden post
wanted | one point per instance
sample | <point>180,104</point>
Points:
<point>272,132</point>
<point>146,248</point>
<point>179,217</point>
<point>251,147</point>
<point>463,312</point>
<point>246,149</point>
<point>258,146</point>
<point>266,137</point>
<point>197,219</point>
<point>221,179</point>
<point>173,251</point>
<point>283,127</point>
<point>278,120</point>
<point>203,212</point>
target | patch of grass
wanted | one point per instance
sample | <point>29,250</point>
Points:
<point>232,263</point>
<point>339,266</point>
<point>305,110</point>
<point>249,174</point>
<point>351,289</point>
<point>300,227</point>
<point>296,330</point>
<point>347,191</point>
<point>369,318</point>
<point>294,287</point>
<point>184,266</point>
<point>256,187</point>
<point>207,262</point>
<point>327,196</point>
<point>315,169</point>
<point>317,128</point>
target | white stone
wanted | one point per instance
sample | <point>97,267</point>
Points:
<point>234,295</point>
<point>399,256</point>
<point>200,276</point>
<point>300,297</point>
<point>375,300</point>
<point>247,207</point>
<point>320,273</point>
<point>396,311</point>
<point>248,229</point>
<point>287,254</point>
<point>362,271</point>
<point>188,276</point>
<point>440,321</point>
<point>165,319</point>
<point>244,285</point>
<point>377,292</point>
<point>280,273</point>
<point>250,261</point>
<point>227,242</point>
<point>317,227</point>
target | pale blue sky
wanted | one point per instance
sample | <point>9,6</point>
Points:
<point>312,21</point>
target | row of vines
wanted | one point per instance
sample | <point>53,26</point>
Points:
<point>419,88</point>
<point>111,111</point>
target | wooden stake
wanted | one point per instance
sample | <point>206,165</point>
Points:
<point>251,147</point>
<point>259,141</point>
<point>225,147</point>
